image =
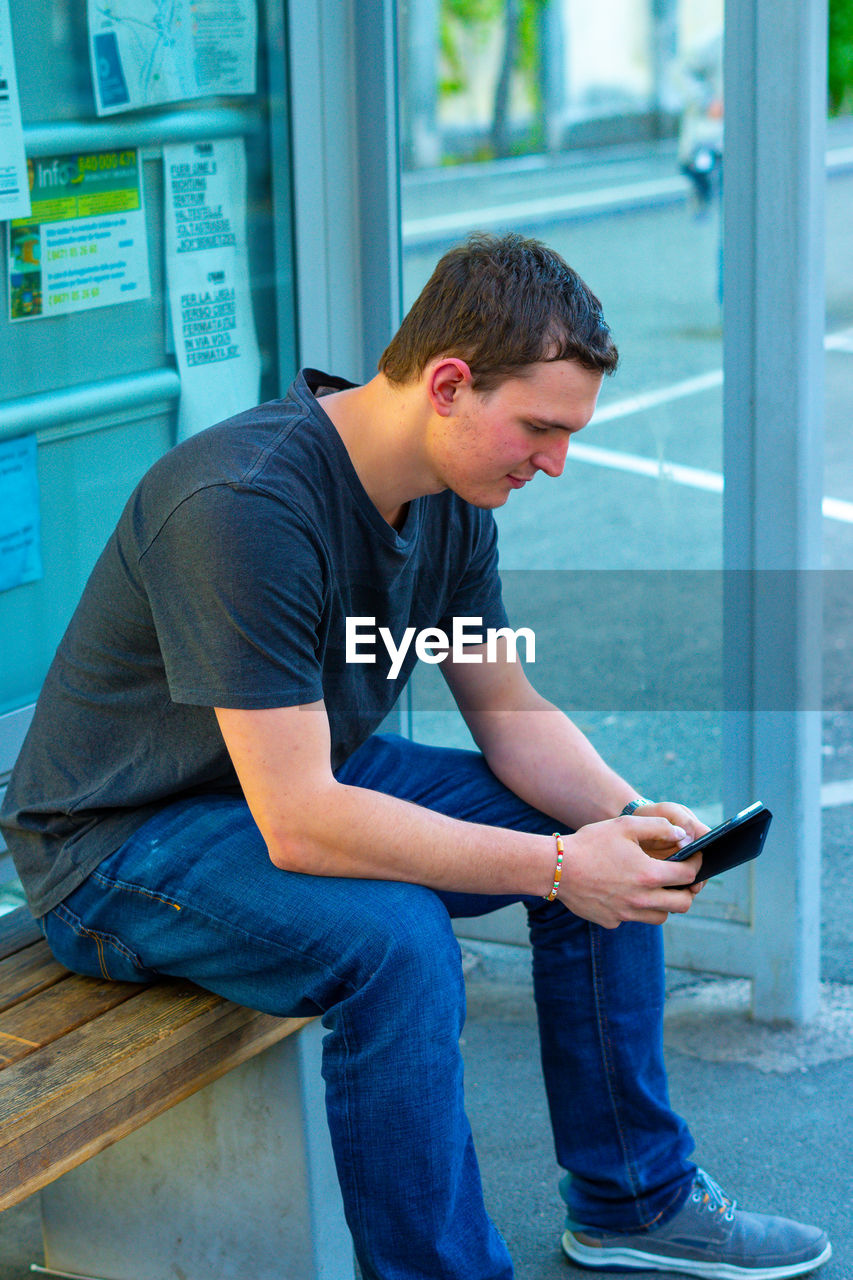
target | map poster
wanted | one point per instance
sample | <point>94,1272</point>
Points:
<point>144,52</point>
<point>14,185</point>
<point>20,518</point>
<point>207,266</point>
<point>84,244</point>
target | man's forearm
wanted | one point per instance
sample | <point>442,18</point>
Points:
<point>607,876</point>
<point>380,837</point>
<point>315,825</point>
<point>541,755</point>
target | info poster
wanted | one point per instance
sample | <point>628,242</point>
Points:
<point>144,52</point>
<point>20,518</point>
<point>207,265</point>
<point>14,186</point>
<point>84,244</point>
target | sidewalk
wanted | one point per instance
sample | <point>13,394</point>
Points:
<point>442,204</point>
<point>776,1135</point>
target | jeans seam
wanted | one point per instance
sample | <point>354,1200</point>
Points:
<point>77,926</point>
<point>609,1075</point>
<point>666,1212</point>
<point>355,1191</point>
<point>217,921</point>
<point>109,882</point>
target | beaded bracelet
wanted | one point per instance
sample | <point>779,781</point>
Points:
<point>558,870</point>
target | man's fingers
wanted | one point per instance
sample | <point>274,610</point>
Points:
<point>651,917</point>
<point>672,875</point>
<point>656,830</point>
<point>679,900</point>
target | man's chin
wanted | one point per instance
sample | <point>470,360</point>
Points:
<point>485,499</point>
<point>488,502</point>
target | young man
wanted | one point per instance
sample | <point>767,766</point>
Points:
<point>206,739</point>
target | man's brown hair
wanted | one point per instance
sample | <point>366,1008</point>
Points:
<point>501,303</point>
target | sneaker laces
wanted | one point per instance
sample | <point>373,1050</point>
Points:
<point>710,1195</point>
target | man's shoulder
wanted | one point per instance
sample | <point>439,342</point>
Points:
<point>235,443</point>
<point>266,447</point>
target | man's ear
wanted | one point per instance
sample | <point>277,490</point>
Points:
<point>444,380</point>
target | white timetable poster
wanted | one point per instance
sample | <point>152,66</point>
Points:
<point>207,265</point>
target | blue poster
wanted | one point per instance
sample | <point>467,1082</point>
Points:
<point>20,515</point>
<point>112,86</point>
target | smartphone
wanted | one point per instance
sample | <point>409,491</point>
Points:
<point>738,840</point>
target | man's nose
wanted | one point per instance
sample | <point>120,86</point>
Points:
<point>552,458</point>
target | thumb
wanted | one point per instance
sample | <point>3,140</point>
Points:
<point>658,831</point>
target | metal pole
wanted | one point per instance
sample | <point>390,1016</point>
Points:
<point>345,182</point>
<point>775,100</point>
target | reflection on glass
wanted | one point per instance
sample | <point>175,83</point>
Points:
<point>838,503</point>
<point>599,130</point>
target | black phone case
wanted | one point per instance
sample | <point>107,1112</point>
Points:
<point>739,840</point>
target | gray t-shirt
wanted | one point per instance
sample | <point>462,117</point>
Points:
<point>228,582</point>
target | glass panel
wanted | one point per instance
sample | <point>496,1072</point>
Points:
<point>89,462</point>
<point>89,459</point>
<point>838,489</point>
<point>598,128</point>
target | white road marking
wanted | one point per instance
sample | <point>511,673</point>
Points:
<point>660,395</point>
<point>677,473</point>
<point>692,477</point>
<point>841,341</point>
<point>835,794</point>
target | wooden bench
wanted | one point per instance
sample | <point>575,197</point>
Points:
<point>224,1168</point>
<point>168,1132</point>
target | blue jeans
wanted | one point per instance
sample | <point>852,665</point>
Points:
<point>193,894</point>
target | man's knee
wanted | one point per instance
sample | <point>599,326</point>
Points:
<point>407,951</point>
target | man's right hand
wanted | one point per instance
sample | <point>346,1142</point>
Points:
<point>608,877</point>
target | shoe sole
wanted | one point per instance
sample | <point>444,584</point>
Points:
<point>615,1259</point>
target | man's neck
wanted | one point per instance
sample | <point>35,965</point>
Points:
<point>380,427</point>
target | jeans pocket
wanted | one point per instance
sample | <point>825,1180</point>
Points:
<point>95,952</point>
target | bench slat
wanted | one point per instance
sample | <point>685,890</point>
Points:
<point>92,1088</point>
<point>89,1059</point>
<point>83,1062</point>
<point>58,1009</point>
<point>17,930</point>
<point>27,972</point>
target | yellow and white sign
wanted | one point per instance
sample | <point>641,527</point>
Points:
<point>84,244</point>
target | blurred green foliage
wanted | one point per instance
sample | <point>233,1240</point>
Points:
<point>840,77</point>
<point>481,16</point>
<point>475,15</point>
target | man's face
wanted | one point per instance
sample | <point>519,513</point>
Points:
<point>492,442</point>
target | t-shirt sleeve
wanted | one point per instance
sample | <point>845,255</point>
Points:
<point>235,580</point>
<point>477,593</point>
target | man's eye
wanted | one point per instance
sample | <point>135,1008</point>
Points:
<point>540,431</point>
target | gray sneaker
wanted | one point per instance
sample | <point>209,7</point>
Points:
<point>710,1237</point>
